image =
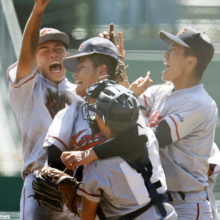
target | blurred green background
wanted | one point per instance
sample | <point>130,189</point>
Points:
<point>139,20</point>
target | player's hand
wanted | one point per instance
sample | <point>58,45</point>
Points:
<point>141,84</point>
<point>104,34</point>
<point>72,159</point>
<point>111,36</point>
<point>42,3</point>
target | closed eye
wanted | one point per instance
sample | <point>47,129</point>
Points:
<point>78,69</point>
<point>173,46</point>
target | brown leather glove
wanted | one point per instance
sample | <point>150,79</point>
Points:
<point>53,187</point>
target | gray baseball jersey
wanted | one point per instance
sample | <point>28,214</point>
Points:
<point>69,131</point>
<point>120,189</point>
<point>35,101</point>
<point>214,159</point>
<point>191,115</point>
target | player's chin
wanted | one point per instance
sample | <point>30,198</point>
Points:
<point>80,90</point>
<point>57,77</point>
<point>165,75</point>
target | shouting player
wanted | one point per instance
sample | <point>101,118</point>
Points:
<point>183,117</point>
<point>38,89</point>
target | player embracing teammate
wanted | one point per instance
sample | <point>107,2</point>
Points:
<point>183,117</point>
<point>70,132</point>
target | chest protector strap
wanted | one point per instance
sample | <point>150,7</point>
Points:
<point>156,199</point>
<point>153,192</point>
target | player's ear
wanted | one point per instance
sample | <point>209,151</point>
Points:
<point>192,61</point>
<point>67,53</point>
<point>103,70</point>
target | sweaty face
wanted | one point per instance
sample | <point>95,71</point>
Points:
<point>175,63</point>
<point>50,56</point>
<point>85,75</point>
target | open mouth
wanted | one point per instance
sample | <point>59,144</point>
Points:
<point>78,82</point>
<point>55,67</point>
<point>167,65</point>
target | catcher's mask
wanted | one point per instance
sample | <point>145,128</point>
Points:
<point>117,105</point>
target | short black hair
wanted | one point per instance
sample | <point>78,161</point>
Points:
<point>200,66</point>
<point>110,62</point>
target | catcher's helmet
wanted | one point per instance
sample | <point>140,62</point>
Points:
<point>118,106</point>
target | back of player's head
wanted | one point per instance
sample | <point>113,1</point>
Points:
<point>117,105</point>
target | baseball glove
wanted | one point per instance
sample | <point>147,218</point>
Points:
<point>53,187</point>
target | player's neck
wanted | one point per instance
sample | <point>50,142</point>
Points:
<point>185,83</point>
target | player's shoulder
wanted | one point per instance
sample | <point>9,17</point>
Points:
<point>162,89</point>
<point>200,96</point>
<point>68,84</point>
<point>73,108</point>
<point>76,105</point>
<point>12,67</point>
<point>198,99</point>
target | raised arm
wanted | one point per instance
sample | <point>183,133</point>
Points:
<point>120,69</point>
<point>27,60</point>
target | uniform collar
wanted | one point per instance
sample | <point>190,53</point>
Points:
<point>64,81</point>
<point>200,86</point>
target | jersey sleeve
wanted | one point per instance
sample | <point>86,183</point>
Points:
<point>94,178</point>
<point>60,131</point>
<point>20,93</point>
<point>147,99</point>
<point>188,116</point>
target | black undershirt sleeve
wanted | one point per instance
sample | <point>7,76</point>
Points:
<point>163,133</point>
<point>124,144</point>
<point>127,143</point>
<point>53,158</point>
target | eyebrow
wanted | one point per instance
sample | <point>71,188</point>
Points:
<point>79,63</point>
<point>45,47</point>
<point>59,44</point>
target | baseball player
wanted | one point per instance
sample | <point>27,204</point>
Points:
<point>117,111</point>
<point>38,89</point>
<point>183,117</point>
